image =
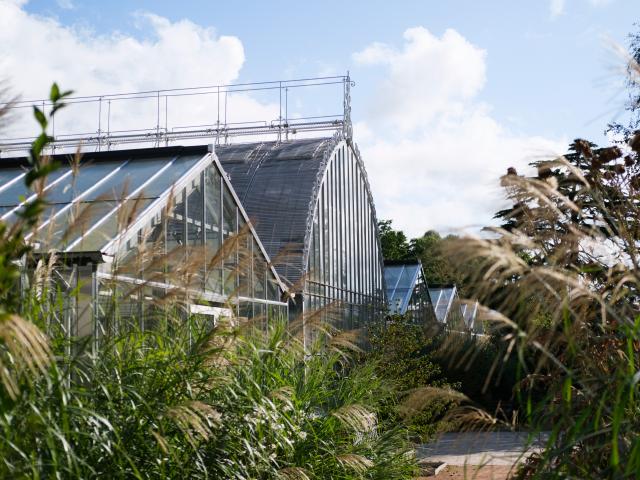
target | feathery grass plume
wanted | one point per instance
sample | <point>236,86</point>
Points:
<point>418,398</point>
<point>293,473</point>
<point>356,417</point>
<point>359,463</point>
<point>195,419</point>
<point>23,348</point>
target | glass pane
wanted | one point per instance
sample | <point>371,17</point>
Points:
<point>176,232</point>
<point>229,222</point>
<point>8,174</point>
<point>154,236</point>
<point>212,230</point>
<point>72,224</point>
<point>10,197</point>
<point>171,175</point>
<point>131,177</point>
<point>113,225</point>
<point>259,267</point>
<point>73,185</point>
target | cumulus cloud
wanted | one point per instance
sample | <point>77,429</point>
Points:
<point>428,78</point>
<point>439,169</point>
<point>37,50</point>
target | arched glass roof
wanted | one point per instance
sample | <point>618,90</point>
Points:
<point>277,185</point>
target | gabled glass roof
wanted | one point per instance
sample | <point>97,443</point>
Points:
<point>401,281</point>
<point>86,203</point>
<point>442,299</point>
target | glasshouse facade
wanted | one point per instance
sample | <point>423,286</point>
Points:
<point>312,208</point>
<point>125,229</point>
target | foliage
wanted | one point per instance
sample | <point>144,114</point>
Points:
<point>394,243</point>
<point>400,350</point>
<point>186,402</point>
<point>482,369</point>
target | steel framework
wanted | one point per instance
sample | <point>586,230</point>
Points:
<point>219,131</point>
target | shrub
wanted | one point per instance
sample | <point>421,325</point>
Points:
<point>401,353</point>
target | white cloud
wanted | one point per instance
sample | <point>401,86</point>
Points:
<point>556,8</point>
<point>38,50</point>
<point>440,169</point>
<point>428,78</point>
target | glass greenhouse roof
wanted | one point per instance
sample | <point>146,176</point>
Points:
<point>442,299</point>
<point>401,279</point>
<point>85,204</point>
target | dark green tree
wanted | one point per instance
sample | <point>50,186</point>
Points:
<point>394,243</point>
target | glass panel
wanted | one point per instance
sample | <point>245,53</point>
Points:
<point>72,224</point>
<point>88,175</point>
<point>245,260</point>
<point>176,231</point>
<point>171,175</point>
<point>10,197</point>
<point>9,174</point>
<point>155,252</point>
<point>114,224</point>
<point>229,221</point>
<point>213,232</point>
<point>195,229</point>
<point>130,177</point>
<point>259,266</point>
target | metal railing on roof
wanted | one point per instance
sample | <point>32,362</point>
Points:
<point>163,132</point>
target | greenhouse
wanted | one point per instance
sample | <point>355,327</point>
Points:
<point>124,229</point>
<point>407,291</point>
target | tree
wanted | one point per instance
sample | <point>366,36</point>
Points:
<point>393,242</point>
<point>596,190</point>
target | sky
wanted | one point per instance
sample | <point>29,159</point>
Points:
<point>448,95</point>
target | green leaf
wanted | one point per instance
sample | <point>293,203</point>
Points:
<point>57,107</point>
<point>54,96</point>
<point>37,146</point>
<point>40,117</point>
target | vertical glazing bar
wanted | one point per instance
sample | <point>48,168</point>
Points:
<point>339,282</point>
<point>221,230</point>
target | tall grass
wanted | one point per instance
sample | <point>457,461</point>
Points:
<point>190,402</point>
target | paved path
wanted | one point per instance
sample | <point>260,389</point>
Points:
<point>479,448</point>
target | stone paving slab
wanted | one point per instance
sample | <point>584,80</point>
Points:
<point>480,448</point>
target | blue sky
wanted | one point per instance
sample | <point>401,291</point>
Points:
<point>530,76</point>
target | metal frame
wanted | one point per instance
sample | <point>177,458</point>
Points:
<point>158,135</point>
